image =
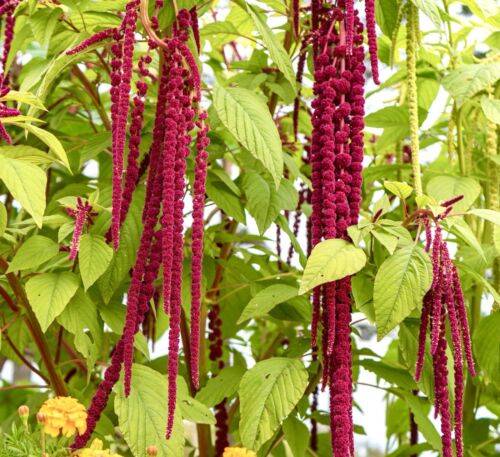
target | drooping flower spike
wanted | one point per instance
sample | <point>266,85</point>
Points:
<point>83,215</point>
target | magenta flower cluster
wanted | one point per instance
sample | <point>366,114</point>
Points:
<point>336,162</point>
<point>83,214</point>
<point>444,302</point>
<point>177,114</point>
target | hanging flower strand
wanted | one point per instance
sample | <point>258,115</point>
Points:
<point>83,215</point>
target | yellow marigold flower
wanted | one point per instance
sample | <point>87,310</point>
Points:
<point>238,452</point>
<point>95,450</point>
<point>63,415</point>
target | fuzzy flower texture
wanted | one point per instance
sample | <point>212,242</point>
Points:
<point>96,450</point>
<point>62,416</point>
<point>178,118</point>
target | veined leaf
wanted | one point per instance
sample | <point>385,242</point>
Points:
<point>491,109</point>
<point>33,252</point>
<point>268,394</point>
<point>487,214</point>
<point>94,257</point>
<point>224,385</point>
<point>143,415</point>
<point>276,50</point>
<point>487,347</point>
<point>443,188</point>
<point>26,182</point>
<point>331,260</point>
<point>249,120</point>
<point>266,300</point>
<point>400,285</point>
<point>467,80</point>
<point>49,293</point>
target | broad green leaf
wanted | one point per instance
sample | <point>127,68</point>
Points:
<point>268,394</point>
<point>467,80</point>
<point>192,409</point>
<point>49,293</point>
<point>389,241</point>
<point>225,199</point>
<point>420,408</point>
<point>43,23</point>
<point>390,116</point>
<point>331,260</point>
<point>143,415</point>
<point>33,252</point>
<point>487,347</point>
<point>276,50</point>
<point>386,14</point>
<point>390,373</point>
<point>50,140</point>
<point>23,97</point>
<point>400,285</point>
<point>27,153</point>
<point>94,257</point>
<point>26,183</point>
<point>3,219</point>
<point>296,435</point>
<point>264,203</point>
<point>443,188</point>
<point>399,189</point>
<point>487,214</point>
<point>249,120</point>
<point>491,109</point>
<point>462,229</point>
<point>224,385</point>
<point>430,9</point>
<point>81,319</point>
<point>266,300</point>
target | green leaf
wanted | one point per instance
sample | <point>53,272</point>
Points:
<point>249,120</point>
<point>143,415</point>
<point>24,97</point>
<point>3,219</point>
<point>487,214</point>
<point>389,241</point>
<point>268,394</point>
<point>491,109</point>
<point>496,237</point>
<point>266,300</point>
<point>296,435</point>
<point>467,80</point>
<point>331,260</point>
<point>265,203</point>
<point>27,153</point>
<point>26,182</point>
<point>33,252</point>
<point>386,15</point>
<point>399,189</point>
<point>94,257</point>
<point>49,293</point>
<point>420,409</point>
<point>400,285</point>
<point>487,347</point>
<point>49,139</point>
<point>390,373</point>
<point>224,385</point>
<point>81,319</point>
<point>443,188</point>
<point>462,229</point>
<point>43,23</point>
<point>276,50</point>
<point>192,409</point>
<point>390,116</point>
<point>430,9</point>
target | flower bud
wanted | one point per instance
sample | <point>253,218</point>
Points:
<point>152,451</point>
<point>41,418</point>
<point>23,411</point>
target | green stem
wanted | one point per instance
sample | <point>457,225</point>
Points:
<point>411,65</point>
<point>460,142</point>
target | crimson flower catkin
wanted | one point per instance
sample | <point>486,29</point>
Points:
<point>444,301</point>
<point>83,215</point>
<point>336,166</point>
<point>177,105</point>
